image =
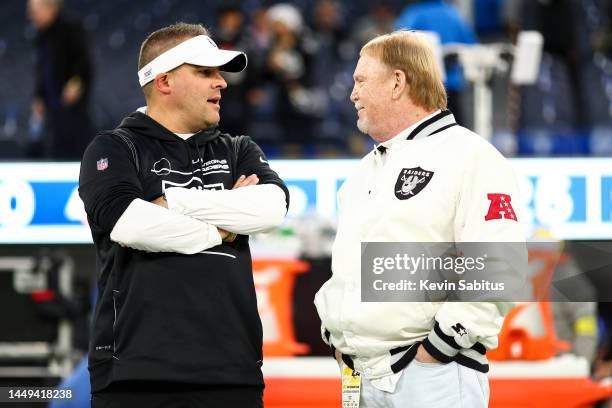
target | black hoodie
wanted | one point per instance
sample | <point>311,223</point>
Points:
<point>188,319</point>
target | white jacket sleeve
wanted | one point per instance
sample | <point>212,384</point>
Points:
<point>244,210</point>
<point>487,213</point>
<point>148,227</point>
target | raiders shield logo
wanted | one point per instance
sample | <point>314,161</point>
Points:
<point>410,182</point>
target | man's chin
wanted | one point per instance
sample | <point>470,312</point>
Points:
<point>362,126</point>
<point>212,122</point>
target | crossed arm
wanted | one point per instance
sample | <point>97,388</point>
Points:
<point>190,221</point>
<point>242,181</point>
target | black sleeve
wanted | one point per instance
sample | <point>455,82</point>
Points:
<point>108,181</point>
<point>38,71</point>
<point>80,57</point>
<point>252,160</point>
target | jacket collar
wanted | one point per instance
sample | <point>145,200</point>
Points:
<point>432,124</point>
<point>436,123</point>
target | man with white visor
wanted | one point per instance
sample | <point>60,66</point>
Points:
<point>171,202</point>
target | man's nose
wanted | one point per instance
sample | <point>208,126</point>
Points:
<point>354,94</point>
<point>220,81</point>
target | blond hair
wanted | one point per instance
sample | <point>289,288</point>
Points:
<point>410,52</point>
<point>162,40</point>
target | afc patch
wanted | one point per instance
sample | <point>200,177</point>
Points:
<point>102,164</point>
<point>410,182</point>
<point>500,207</point>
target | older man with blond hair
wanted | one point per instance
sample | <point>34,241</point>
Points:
<point>415,354</point>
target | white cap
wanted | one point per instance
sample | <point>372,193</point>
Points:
<point>200,50</point>
<point>287,14</point>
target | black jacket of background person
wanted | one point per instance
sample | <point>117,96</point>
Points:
<point>188,319</point>
<point>62,52</point>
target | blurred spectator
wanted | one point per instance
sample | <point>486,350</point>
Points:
<point>259,32</point>
<point>606,35</point>
<point>63,75</point>
<point>333,64</point>
<point>330,36</point>
<point>261,93</point>
<point>229,33</point>
<point>289,66</point>
<point>445,20</point>
<point>379,20</point>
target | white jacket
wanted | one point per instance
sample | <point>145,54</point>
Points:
<point>451,206</point>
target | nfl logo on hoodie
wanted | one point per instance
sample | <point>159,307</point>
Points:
<point>102,164</point>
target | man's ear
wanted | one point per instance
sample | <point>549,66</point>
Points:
<point>399,83</point>
<point>162,83</point>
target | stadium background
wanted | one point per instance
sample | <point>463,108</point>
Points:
<point>558,129</point>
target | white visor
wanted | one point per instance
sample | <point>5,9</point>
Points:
<point>200,50</point>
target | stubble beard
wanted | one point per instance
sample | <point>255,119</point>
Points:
<point>362,125</point>
<point>210,119</point>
